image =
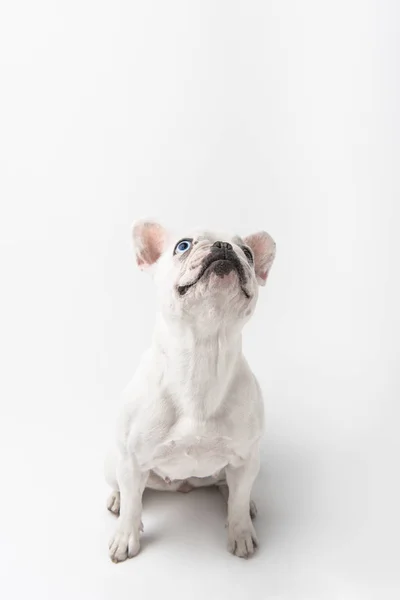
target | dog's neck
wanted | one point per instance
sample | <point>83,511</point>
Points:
<point>199,363</point>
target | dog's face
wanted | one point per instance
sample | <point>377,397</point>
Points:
<point>205,276</point>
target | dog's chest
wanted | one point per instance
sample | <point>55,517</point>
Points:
<point>192,450</point>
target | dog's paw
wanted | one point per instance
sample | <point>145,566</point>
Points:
<point>242,540</point>
<point>124,544</point>
<point>113,502</point>
<point>253,509</point>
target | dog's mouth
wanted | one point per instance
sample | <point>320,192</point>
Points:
<point>221,263</point>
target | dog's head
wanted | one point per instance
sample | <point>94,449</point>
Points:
<point>205,276</point>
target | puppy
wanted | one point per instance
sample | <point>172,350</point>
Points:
<point>193,413</point>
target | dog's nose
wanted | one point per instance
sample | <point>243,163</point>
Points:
<point>223,245</point>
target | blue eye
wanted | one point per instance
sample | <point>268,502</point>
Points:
<point>183,246</point>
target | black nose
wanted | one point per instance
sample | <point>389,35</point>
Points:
<point>223,245</point>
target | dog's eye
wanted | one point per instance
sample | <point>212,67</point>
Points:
<point>248,253</point>
<point>183,246</point>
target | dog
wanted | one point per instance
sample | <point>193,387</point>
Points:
<point>193,413</point>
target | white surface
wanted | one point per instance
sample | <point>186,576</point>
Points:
<point>279,115</point>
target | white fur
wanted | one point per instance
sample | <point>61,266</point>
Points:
<point>193,412</point>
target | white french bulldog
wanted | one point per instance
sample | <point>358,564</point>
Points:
<point>193,413</point>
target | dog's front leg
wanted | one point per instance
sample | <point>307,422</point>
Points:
<point>242,539</point>
<point>131,482</point>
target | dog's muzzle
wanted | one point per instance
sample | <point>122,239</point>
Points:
<point>221,260</point>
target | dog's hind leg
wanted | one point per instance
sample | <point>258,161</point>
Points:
<point>114,502</point>
<point>110,466</point>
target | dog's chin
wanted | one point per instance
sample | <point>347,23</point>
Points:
<point>222,282</point>
<point>217,291</point>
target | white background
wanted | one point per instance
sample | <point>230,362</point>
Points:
<point>279,115</point>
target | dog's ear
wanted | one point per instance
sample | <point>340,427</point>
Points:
<point>149,240</point>
<point>263,247</point>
